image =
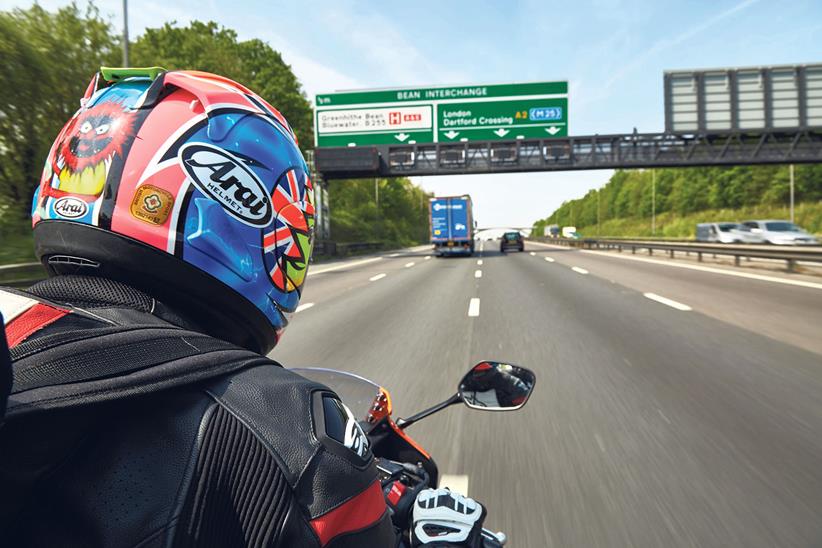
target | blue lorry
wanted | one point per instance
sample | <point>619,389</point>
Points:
<point>452,225</point>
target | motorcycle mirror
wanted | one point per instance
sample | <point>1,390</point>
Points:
<point>496,386</point>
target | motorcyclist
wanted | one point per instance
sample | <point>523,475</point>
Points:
<point>175,218</point>
<point>495,385</point>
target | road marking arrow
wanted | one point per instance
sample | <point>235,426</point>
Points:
<point>501,132</point>
<point>401,137</point>
<point>451,134</point>
<point>553,130</point>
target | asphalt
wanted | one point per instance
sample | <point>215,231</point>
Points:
<point>649,425</point>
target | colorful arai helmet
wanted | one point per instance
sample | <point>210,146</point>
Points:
<point>186,185</point>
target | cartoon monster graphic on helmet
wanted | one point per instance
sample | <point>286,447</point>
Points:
<point>288,247</point>
<point>89,145</point>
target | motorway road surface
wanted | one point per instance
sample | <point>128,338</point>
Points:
<point>688,417</point>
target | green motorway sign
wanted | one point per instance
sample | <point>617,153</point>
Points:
<point>442,114</point>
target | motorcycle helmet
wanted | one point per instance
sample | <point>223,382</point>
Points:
<point>185,185</point>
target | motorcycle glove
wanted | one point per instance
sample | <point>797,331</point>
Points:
<point>444,518</point>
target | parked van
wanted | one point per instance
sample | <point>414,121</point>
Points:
<point>727,233</point>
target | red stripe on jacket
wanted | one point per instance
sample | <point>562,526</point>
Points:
<point>31,321</point>
<point>365,509</point>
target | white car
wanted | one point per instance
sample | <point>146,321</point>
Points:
<point>781,232</point>
<point>727,233</point>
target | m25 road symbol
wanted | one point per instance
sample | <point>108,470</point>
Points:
<point>227,180</point>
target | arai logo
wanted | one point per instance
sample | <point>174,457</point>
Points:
<point>70,208</point>
<point>224,178</point>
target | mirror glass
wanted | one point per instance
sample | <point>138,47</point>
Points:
<point>495,386</point>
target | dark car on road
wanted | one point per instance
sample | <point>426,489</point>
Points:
<point>511,239</point>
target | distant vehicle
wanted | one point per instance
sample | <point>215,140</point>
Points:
<point>570,232</point>
<point>727,233</point>
<point>781,232</point>
<point>511,239</point>
<point>452,225</point>
<point>551,231</point>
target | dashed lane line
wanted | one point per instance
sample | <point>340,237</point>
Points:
<point>532,254</point>
<point>427,257</point>
<point>474,307</point>
<point>479,262</point>
<point>549,259</point>
<point>668,302</point>
<point>304,306</point>
<point>455,482</point>
<point>377,277</point>
<point>579,270</point>
<point>409,265</point>
<point>478,273</point>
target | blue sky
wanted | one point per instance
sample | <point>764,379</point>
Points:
<point>612,52</point>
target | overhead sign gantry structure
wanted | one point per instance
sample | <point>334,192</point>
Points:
<point>760,115</point>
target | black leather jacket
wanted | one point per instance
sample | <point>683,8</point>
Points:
<point>237,460</point>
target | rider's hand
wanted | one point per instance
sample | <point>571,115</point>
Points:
<point>445,518</point>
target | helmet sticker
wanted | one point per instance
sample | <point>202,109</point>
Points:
<point>85,154</point>
<point>70,208</point>
<point>225,179</point>
<point>152,204</point>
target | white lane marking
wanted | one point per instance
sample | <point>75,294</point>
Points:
<point>427,257</point>
<point>549,259</point>
<point>760,277</point>
<point>377,277</point>
<point>304,306</point>
<point>532,254</point>
<point>311,272</point>
<point>479,263</point>
<point>409,265</point>
<point>600,443</point>
<point>455,482</point>
<point>473,307</point>
<point>669,302</point>
<point>661,414</point>
<point>393,255</point>
<point>579,270</point>
<point>478,273</point>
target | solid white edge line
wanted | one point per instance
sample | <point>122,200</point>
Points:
<point>668,302</point>
<point>304,306</point>
<point>549,259</point>
<point>579,270</point>
<point>458,483</point>
<point>479,262</point>
<point>409,265</point>
<point>474,307</point>
<point>377,277</point>
<point>343,265</point>
<point>478,273</point>
<point>722,271</point>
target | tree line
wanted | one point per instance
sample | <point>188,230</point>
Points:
<point>685,192</point>
<point>49,57</point>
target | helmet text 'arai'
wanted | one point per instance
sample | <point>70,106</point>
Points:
<point>224,178</point>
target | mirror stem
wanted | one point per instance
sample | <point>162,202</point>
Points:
<point>403,423</point>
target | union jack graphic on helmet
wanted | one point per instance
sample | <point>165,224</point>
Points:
<point>288,245</point>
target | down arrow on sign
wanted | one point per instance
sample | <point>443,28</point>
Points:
<point>553,130</point>
<point>501,132</point>
<point>401,137</point>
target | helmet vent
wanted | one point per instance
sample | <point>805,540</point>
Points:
<point>65,264</point>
